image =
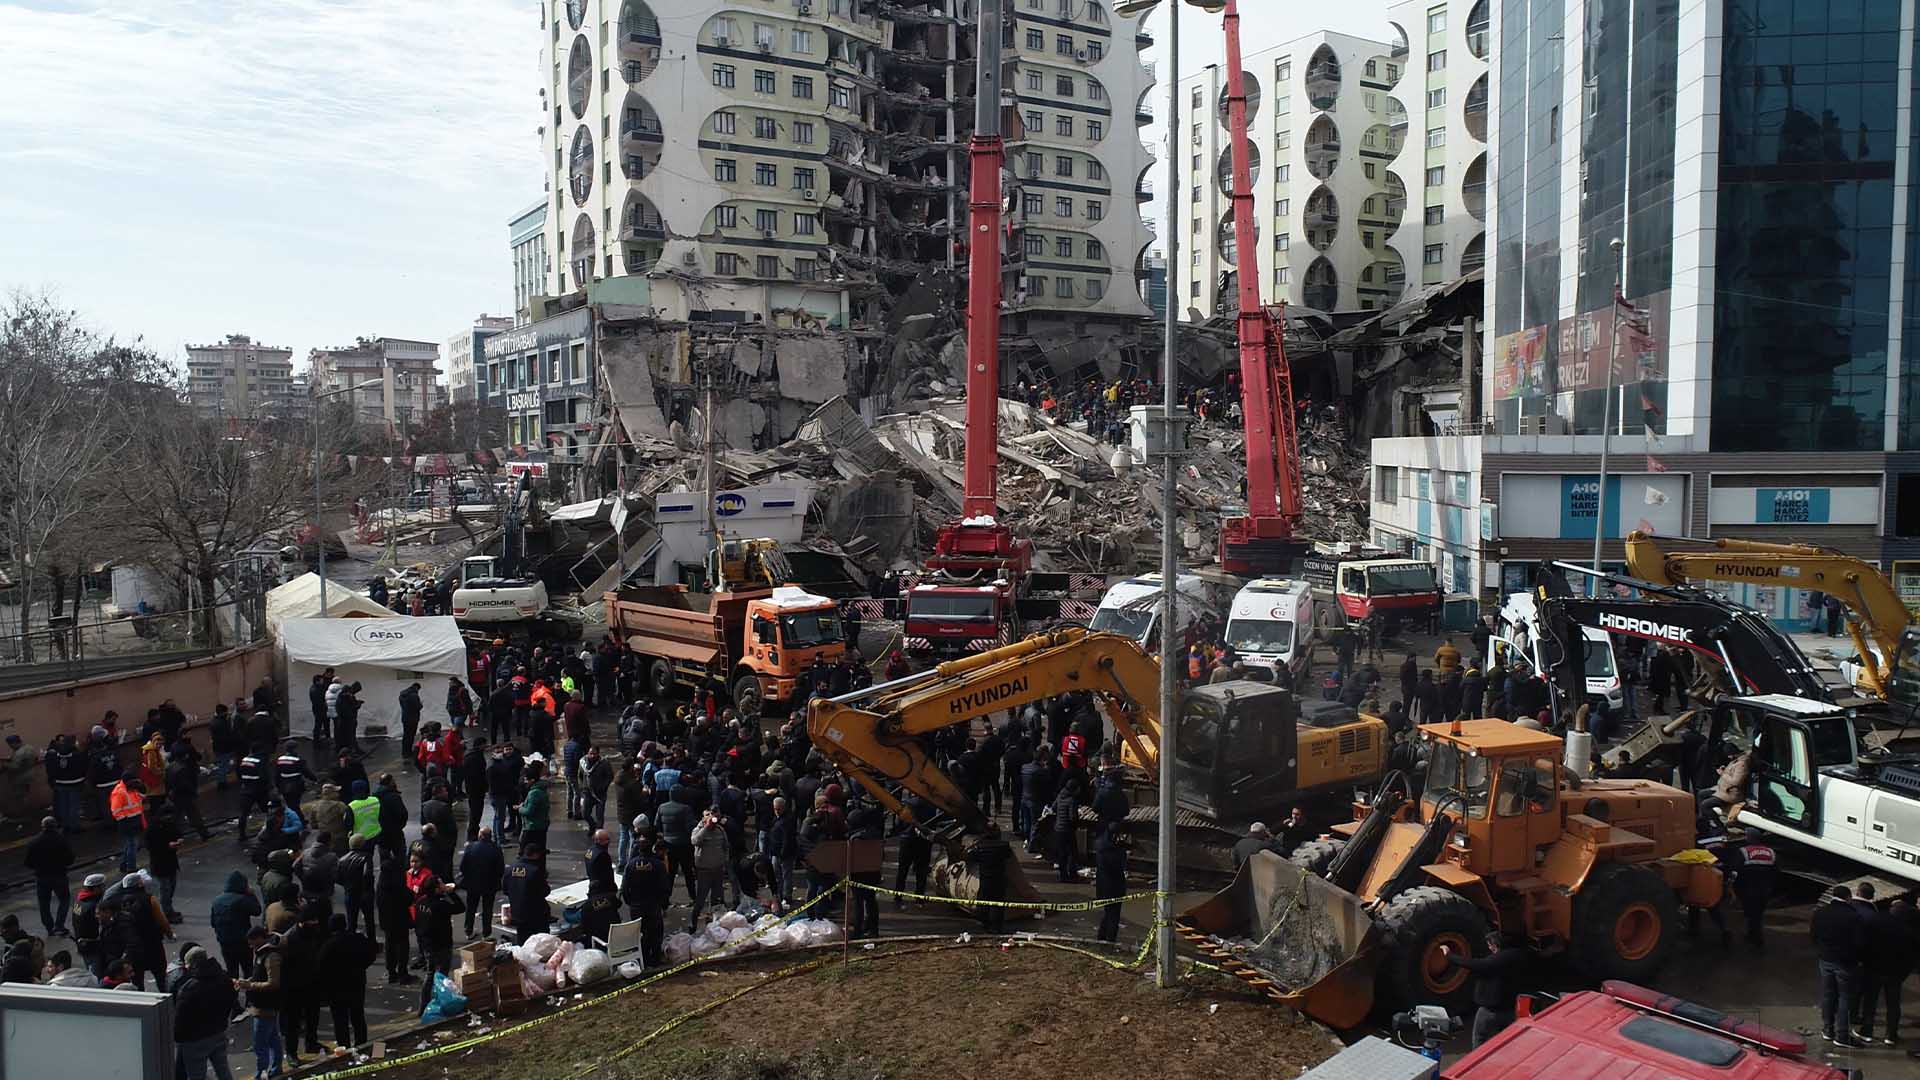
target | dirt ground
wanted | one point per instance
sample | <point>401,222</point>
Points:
<point>908,1010</point>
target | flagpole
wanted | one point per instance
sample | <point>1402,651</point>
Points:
<point>1606,420</point>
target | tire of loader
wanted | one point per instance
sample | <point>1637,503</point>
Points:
<point>660,679</point>
<point>1624,923</point>
<point>1315,856</point>
<point>1414,971</point>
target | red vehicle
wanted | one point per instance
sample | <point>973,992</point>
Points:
<point>1353,586</point>
<point>1627,1031</point>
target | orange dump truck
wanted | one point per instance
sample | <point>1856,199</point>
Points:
<point>750,644</point>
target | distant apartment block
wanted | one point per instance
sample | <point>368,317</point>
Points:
<point>395,381</point>
<point>238,378</point>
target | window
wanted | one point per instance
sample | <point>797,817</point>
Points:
<point>1031,204</point>
<point>763,82</point>
<point>1283,104</point>
<point>1033,81</point>
<point>1096,14</point>
<point>1063,125</point>
<point>803,87</point>
<point>1371,101</point>
<point>1523,788</point>
<point>1062,165</point>
<point>1035,122</point>
<point>1436,214</point>
<point>766,174</point>
<point>1282,139</point>
<point>765,128</point>
<point>803,42</point>
<point>1282,274</point>
<point>1063,247</point>
<point>1437,21</point>
<point>840,97</point>
<point>1063,287</point>
<point>1684,1042</point>
<point>1095,171</point>
<point>1366,241</point>
<point>1094,250</point>
<point>1437,98</point>
<point>1036,39</point>
<point>1063,85</point>
<point>1282,241</point>
<point>1368,168</point>
<point>1371,65</point>
<point>1436,137</point>
<point>766,266</point>
<point>1036,244</point>
<point>804,224</point>
<point>1283,174</point>
<point>723,76</point>
<point>1434,255</point>
<point>1035,164</point>
<point>726,217</point>
<point>805,269</point>
<point>1196,98</point>
<point>1437,176</point>
<point>1281,206</point>
<point>802,179</point>
<point>1096,288</point>
<point>1095,51</point>
<point>1393,73</point>
<point>803,132</point>
<point>1196,135</point>
<point>726,263</point>
<point>766,220</point>
<point>1282,71</point>
<point>1036,286</point>
<point>763,36</point>
<point>723,170</point>
<point>1095,210</point>
<point>1386,484</point>
<point>1062,207</point>
<point>1095,91</point>
<point>1437,60</point>
<point>1193,288</point>
<point>1196,258</point>
<point>1096,130</point>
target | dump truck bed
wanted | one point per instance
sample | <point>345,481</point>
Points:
<point>667,621</point>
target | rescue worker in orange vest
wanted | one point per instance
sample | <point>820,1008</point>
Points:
<point>128,804</point>
<point>1196,664</point>
<point>541,716</point>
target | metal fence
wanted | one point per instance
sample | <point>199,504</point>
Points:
<point>54,649</point>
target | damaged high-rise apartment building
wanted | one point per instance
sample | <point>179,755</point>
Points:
<point>782,168</point>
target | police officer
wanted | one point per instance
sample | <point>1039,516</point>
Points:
<point>1753,866</point>
<point>103,771</point>
<point>67,776</point>
<point>256,785</point>
<point>526,890</point>
<point>648,881</point>
<point>290,774</point>
<point>1110,876</point>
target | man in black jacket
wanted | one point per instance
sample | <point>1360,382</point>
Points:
<point>438,812</point>
<point>473,778</point>
<point>526,889</point>
<point>183,788</point>
<point>356,877</point>
<point>482,868</point>
<point>396,918</point>
<point>347,721</point>
<point>344,960</point>
<point>1838,938</point>
<point>503,788</point>
<point>317,697</point>
<point>301,975</point>
<point>1492,987</point>
<point>49,856</point>
<point>67,776</point>
<point>645,887</point>
<point>1889,960</point>
<point>410,709</point>
<point>393,820</point>
<point>434,914</point>
<point>203,1006</point>
<point>1110,876</point>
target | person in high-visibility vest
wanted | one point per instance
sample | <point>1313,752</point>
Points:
<point>128,804</point>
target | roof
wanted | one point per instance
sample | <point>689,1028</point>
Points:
<point>428,644</point>
<point>1496,737</point>
<point>300,598</point>
<point>1787,703</point>
<point>788,597</point>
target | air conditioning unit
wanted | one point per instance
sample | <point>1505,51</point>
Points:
<point>1081,56</point>
<point>805,9</point>
<point>689,258</point>
<point>766,234</point>
<point>722,40</point>
<point>766,47</point>
<point>807,194</point>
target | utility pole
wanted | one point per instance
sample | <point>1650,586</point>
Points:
<point>718,583</point>
<point>1164,974</point>
<point>1606,419</point>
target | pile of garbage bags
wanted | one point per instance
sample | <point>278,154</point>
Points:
<point>732,933</point>
<point>548,963</point>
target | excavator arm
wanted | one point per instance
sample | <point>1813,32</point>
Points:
<point>1878,612</point>
<point>878,735</point>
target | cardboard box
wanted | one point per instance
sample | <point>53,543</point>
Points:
<point>476,956</point>
<point>482,1000</point>
<point>470,982</point>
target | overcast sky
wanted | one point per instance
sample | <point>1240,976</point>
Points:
<point>306,171</point>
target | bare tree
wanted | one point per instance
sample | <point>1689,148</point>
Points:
<point>58,392</point>
<point>201,496</point>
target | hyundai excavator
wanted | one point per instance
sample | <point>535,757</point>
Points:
<point>1244,749</point>
<point>1881,626</point>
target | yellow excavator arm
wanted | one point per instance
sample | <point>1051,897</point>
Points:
<point>1877,608</point>
<point>879,734</point>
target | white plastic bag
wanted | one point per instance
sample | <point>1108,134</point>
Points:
<point>541,946</point>
<point>793,936</point>
<point>678,949</point>
<point>630,969</point>
<point>732,920</point>
<point>587,966</point>
<point>820,931</point>
<point>704,947</point>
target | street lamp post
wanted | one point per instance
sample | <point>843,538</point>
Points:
<point>319,510</point>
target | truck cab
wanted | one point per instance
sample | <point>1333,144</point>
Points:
<point>948,620</point>
<point>1271,624</point>
<point>1361,584</point>
<point>786,632</point>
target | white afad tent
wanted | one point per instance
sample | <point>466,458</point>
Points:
<point>384,656</point>
<point>300,599</point>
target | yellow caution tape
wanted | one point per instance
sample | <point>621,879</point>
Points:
<point>1078,905</point>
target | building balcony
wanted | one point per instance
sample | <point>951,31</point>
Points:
<point>643,133</point>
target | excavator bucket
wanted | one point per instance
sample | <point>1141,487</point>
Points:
<point>1306,943</point>
<point>953,876</point>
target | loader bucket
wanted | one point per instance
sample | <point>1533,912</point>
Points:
<point>1306,943</point>
<point>953,876</point>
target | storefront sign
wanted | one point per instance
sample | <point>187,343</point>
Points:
<point>1731,503</point>
<point>1580,507</point>
<point>1792,506</point>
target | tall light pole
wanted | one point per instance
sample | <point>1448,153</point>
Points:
<point>1606,416</point>
<point>319,510</point>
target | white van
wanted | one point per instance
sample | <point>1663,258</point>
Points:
<point>1519,626</point>
<point>1132,608</point>
<point>1270,624</point>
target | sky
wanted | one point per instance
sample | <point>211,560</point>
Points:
<point>308,171</point>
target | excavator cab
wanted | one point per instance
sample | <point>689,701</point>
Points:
<point>1236,742</point>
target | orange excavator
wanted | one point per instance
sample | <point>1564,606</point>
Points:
<point>1264,541</point>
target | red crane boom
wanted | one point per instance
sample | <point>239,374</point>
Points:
<point>1263,541</point>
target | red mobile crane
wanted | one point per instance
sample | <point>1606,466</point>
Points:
<point>1262,542</point>
<point>969,598</point>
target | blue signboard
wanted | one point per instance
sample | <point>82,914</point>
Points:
<point>1580,505</point>
<point>1792,506</point>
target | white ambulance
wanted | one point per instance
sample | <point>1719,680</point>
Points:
<point>1271,624</point>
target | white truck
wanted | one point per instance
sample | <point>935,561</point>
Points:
<point>486,597</point>
<point>1132,608</point>
<point>1271,625</point>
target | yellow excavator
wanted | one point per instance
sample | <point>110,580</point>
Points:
<point>1880,624</point>
<point>1243,748</point>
